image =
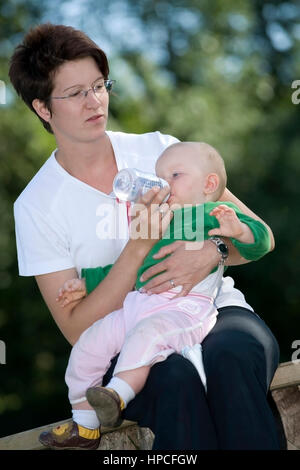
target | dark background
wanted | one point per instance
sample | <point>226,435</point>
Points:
<point>214,71</point>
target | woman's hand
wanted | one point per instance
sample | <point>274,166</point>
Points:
<point>150,217</point>
<point>188,264</point>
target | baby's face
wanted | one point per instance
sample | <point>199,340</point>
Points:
<point>181,169</point>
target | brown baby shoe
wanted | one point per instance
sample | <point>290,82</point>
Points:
<point>71,436</point>
<point>107,404</point>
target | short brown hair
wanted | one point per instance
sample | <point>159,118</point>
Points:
<point>45,48</point>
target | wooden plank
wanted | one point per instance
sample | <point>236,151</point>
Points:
<point>291,446</point>
<point>287,375</point>
<point>28,440</point>
<point>285,389</point>
<point>288,403</point>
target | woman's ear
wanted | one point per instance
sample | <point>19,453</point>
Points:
<point>211,183</point>
<point>41,109</point>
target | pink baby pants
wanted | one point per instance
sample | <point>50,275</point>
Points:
<point>145,331</point>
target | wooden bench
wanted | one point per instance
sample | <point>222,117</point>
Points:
<point>128,436</point>
<point>285,389</point>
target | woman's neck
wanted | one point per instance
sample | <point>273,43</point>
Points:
<point>93,163</point>
<point>83,157</point>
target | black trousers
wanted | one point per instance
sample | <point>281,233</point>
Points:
<point>240,357</point>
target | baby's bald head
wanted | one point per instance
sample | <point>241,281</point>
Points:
<point>198,155</point>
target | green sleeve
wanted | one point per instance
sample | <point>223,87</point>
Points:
<point>201,226</point>
<point>262,242</point>
<point>187,224</point>
<point>93,276</point>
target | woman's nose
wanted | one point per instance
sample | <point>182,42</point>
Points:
<point>92,100</point>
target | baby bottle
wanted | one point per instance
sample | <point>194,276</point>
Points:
<point>129,184</point>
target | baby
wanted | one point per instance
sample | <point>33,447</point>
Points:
<point>148,328</point>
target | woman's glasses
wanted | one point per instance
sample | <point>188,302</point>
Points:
<point>99,87</point>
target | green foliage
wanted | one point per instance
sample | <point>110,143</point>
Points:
<point>219,72</point>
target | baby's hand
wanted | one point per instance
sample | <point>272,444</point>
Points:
<point>72,291</point>
<point>230,225</point>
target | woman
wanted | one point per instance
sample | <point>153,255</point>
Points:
<point>67,218</point>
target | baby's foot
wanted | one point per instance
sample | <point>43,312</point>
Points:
<point>107,403</point>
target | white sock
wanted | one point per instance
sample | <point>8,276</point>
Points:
<point>122,388</point>
<point>86,418</point>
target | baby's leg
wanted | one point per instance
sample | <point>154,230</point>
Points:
<point>130,375</point>
<point>136,378</point>
<point>84,405</point>
<point>91,357</point>
<point>89,360</point>
<point>154,338</point>
<point>110,401</point>
<point>85,415</point>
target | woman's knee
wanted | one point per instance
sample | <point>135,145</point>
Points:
<point>230,349</point>
<point>226,350</point>
<point>241,332</point>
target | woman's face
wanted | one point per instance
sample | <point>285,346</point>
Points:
<point>75,120</point>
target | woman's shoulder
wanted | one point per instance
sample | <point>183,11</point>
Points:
<point>154,139</point>
<point>46,181</point>
<point>139,150</point>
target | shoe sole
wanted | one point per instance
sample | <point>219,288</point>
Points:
<point>106,406</point>
<point>54,447</point>
<point>68,448</point>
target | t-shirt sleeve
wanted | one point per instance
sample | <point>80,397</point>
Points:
<point>167,139</point>
<point>42,246</point>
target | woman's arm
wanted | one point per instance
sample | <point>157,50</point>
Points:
<point>109,295</point>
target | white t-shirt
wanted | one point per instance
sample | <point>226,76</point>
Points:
<point>62,223</point>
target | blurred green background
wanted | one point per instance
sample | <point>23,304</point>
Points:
<point>215,71</point>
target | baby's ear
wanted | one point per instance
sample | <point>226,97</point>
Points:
<point>211,183</point>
